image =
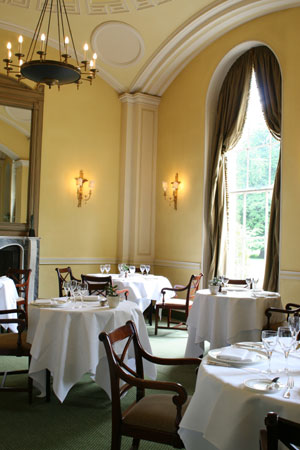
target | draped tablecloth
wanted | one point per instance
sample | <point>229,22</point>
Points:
<point>8,297</point>
<point>142,288</point>
<point>65,341</point>
<point>226,415</point>
<point>223,319</point>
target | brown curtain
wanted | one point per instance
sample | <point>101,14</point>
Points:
<point>230,119</point>
<point>268,77</point>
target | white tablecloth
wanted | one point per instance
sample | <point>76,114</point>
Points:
<point>224,414</point>
<point>8,297</point>
<point>142,288</point>
<point>224,319</point>
<point>65,341</point>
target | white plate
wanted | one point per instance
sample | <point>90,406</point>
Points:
<point>261,385</point>
<point>50,305</point>
<point>236,288</point>
<point>259,357</point>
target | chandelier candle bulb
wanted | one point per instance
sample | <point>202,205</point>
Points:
<point>43,38</point>
<point>66,44</point>
<point>85,49</point>
<point>20,40</point>
<point>8,50</point>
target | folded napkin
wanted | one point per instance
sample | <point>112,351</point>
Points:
<point>236,354</point>
<point>91,298</point>
<point>42,301</point>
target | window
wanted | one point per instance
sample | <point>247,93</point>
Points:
<point>251,168</point>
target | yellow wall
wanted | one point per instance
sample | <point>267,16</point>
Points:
<point>81,131</point>
<point>181,143</point>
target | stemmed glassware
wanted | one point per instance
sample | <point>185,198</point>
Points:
<point>286,339</point>
<point>255,280</point>
<point>131,270</point>
<point>102,268</point>
<point>248,281</point>
<point>73,291</point>
<point>67,288</point>
<point>142,268</point>
<point>294,324</point>
<point>82,290</point>
<point>107,268</point>
<point>147,268</point>
<point>269,339</point>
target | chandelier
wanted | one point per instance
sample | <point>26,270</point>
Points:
<point>47,71</point>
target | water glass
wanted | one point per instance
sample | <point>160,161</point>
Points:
<point>269,339</point>
<point>67,288</point>
<point>73,292</point>
<point>286,339</point>
<point>132,269</point>
<point>255,280</point>
<point>294,324</point>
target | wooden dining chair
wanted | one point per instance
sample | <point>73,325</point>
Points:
<point>97,285</point>
<point>64,274</point>
<point>14,344</point>
<point>177,304</point>
<point>278,430</point>
<point>153,417</point>
<point>290,309</point>
<point>21,278</point>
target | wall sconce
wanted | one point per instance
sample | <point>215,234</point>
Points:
<point>174,186</point>
<point>79,183</point>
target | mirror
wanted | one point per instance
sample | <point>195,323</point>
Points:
<point>21,111</point>
<point>15,128</point>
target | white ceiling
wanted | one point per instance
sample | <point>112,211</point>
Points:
<point>142,44</point>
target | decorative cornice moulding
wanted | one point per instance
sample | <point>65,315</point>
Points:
<point>78,261</point>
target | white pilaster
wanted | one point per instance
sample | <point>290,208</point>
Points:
<point>137,178</point>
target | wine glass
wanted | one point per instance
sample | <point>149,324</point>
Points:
<point>83,291</point>
<point>248,281</point>
<point>142,268</point>
<point>67,287</point>
<point>294,324</point>
<point>102,268</point>
<point>225,281</point>
<point>286,339</point>
<point>107,268</point>
<point>269,339</point>
<point>147,268</point>
<point>73,292</point>
<point>120,268</point>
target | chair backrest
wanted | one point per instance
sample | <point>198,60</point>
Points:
<point>239,282</point>
<point>278,430</point>
<point>118,368</point>
<point>21,278</point>
<point>195,282</point>
<point>63,274</point>
<point>289,310</point>
<point>97,285</point>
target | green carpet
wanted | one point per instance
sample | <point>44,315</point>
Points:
<point>83,421</point>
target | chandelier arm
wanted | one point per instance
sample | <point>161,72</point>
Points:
<point>48,29</point>
<point>71,35</point>
<point>36,32</point>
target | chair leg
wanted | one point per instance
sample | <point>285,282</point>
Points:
<point>169,317</point>
<point>156,318</point>
<point>116,441</point>
<point>135,444</point>
<point>150,313</point>
<point>48,387</point>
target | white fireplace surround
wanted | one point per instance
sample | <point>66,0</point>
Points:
<point>29,258</point>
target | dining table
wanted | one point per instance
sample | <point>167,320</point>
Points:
<point>233,315</point>
<point>64,338</point>
<point>231,400</point>
<point>142,289</point>
<point>8,298</point>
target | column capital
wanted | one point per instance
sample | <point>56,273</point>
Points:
<point>140,98</point>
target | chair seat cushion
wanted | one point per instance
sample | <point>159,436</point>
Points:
<point>173,301</point>
<point>8,344</point>
<point>155,411</point>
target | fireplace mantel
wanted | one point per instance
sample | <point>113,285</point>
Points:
<point>30,254</point>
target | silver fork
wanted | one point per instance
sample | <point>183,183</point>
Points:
<point>290,386</point>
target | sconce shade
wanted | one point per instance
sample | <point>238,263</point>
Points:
<point>174,186</point>
<point>80,184</point>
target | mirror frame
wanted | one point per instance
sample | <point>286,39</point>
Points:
<point>17,94</point>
